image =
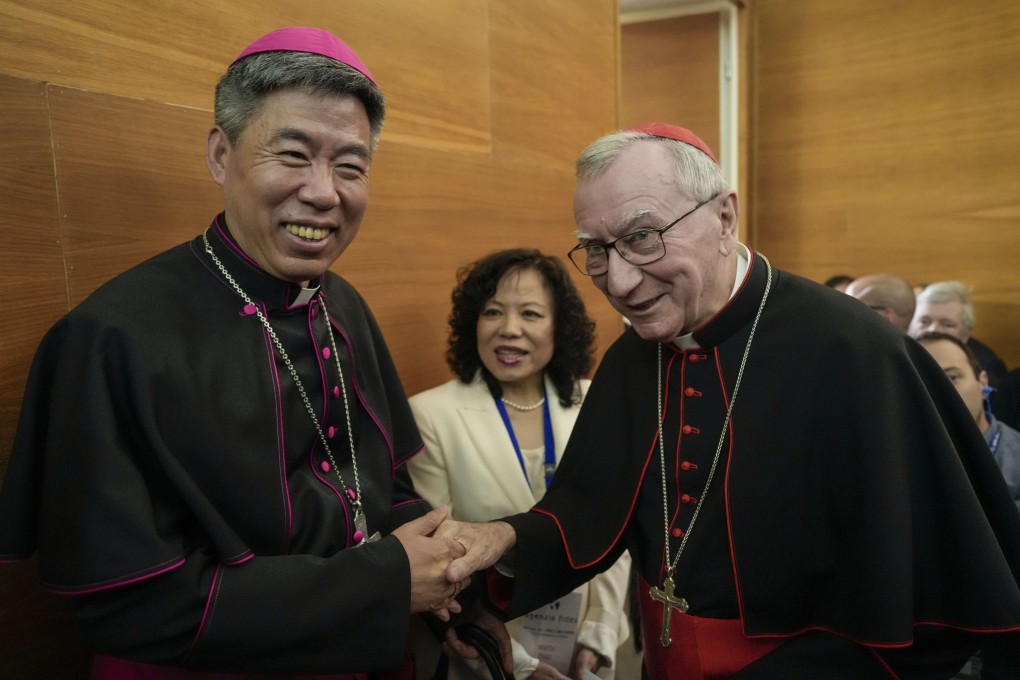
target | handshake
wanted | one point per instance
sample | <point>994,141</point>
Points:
<point>443,553</point>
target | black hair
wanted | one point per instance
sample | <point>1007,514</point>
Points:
<point>932,336</point>
<point>573,329</point>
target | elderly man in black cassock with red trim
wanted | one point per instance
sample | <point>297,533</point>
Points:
<point>802,491</point>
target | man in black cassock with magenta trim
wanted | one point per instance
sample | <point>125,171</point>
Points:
<point>211,456</point>
<point>802,491</point>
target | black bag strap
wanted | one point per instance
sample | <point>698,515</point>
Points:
<point>488,650</point>
<point>487,647</point>
<point>442,671</point>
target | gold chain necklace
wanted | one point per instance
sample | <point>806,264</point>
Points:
<point>354,495</point>
<point>665,595</point>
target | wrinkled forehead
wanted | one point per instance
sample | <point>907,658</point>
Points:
<point>949,310</point>
<point>641,184</point>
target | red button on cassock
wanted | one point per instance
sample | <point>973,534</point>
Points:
<point>687,429</point>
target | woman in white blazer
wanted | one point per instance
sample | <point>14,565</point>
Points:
<point>520,343</point>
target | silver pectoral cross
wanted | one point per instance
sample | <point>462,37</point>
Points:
<point>669,603</point>
<point>361,526</point>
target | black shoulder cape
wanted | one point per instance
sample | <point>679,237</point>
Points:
<point>169,474</point>
<point>861,497</point>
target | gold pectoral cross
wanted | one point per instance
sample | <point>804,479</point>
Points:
<point>669,603</point>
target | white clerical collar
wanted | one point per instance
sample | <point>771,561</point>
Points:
<point>743,263</point>
<point>304,297</point>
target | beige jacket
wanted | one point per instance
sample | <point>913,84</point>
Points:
<point>469,465</point>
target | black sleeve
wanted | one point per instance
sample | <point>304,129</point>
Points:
<point>542,568</point>
<point>282,614</point>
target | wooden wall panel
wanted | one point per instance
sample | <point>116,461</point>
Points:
<point>118,206</point>
<point>31,264</point>
<point>907,108</point>
<point>745,150</point>
<point>430,58</point>
<point>554,90</point>
<point>36,637</point>
<point>409,249</point>
<point>166,51</point>
<point>104,110</point>
<point>669,71</point>
<point>979,254</point>
<point>553,78</point>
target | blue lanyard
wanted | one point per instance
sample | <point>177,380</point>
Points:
<point>550,446</point>
<point>994,444</point>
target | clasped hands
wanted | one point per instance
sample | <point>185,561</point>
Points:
<point>443,553</point>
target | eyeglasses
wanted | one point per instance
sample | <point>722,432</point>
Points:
<point>640,247</point>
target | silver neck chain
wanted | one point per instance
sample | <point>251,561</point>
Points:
<point>355,496</point>
<point>671,565</point>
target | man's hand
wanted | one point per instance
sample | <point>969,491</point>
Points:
<point>429,558</point>
<point>483,545</point>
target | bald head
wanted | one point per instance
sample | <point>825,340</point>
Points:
<point>889,295</point>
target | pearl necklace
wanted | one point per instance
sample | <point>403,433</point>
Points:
<point>519,407</point>
<point>665,594</point>
<point>354,495</point>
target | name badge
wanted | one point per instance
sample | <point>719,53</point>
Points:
<point>550,632</point>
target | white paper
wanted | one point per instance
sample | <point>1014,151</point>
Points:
<point>550,632</point>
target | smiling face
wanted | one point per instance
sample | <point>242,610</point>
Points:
<point>295,185</point>
<point>692,281</point>
<point>515,332</point>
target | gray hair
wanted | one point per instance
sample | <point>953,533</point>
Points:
<point>950,291</point>
<point>698,176</point>
<point>244,87</point>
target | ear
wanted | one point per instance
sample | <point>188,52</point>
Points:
<point>729,212</point>
<point>983,378</point>
<point>217,151</point>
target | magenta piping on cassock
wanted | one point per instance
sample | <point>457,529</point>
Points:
<point>361,399</point>
<point>88,590</point>
<point>280,434</point>
<point>213,587</point>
